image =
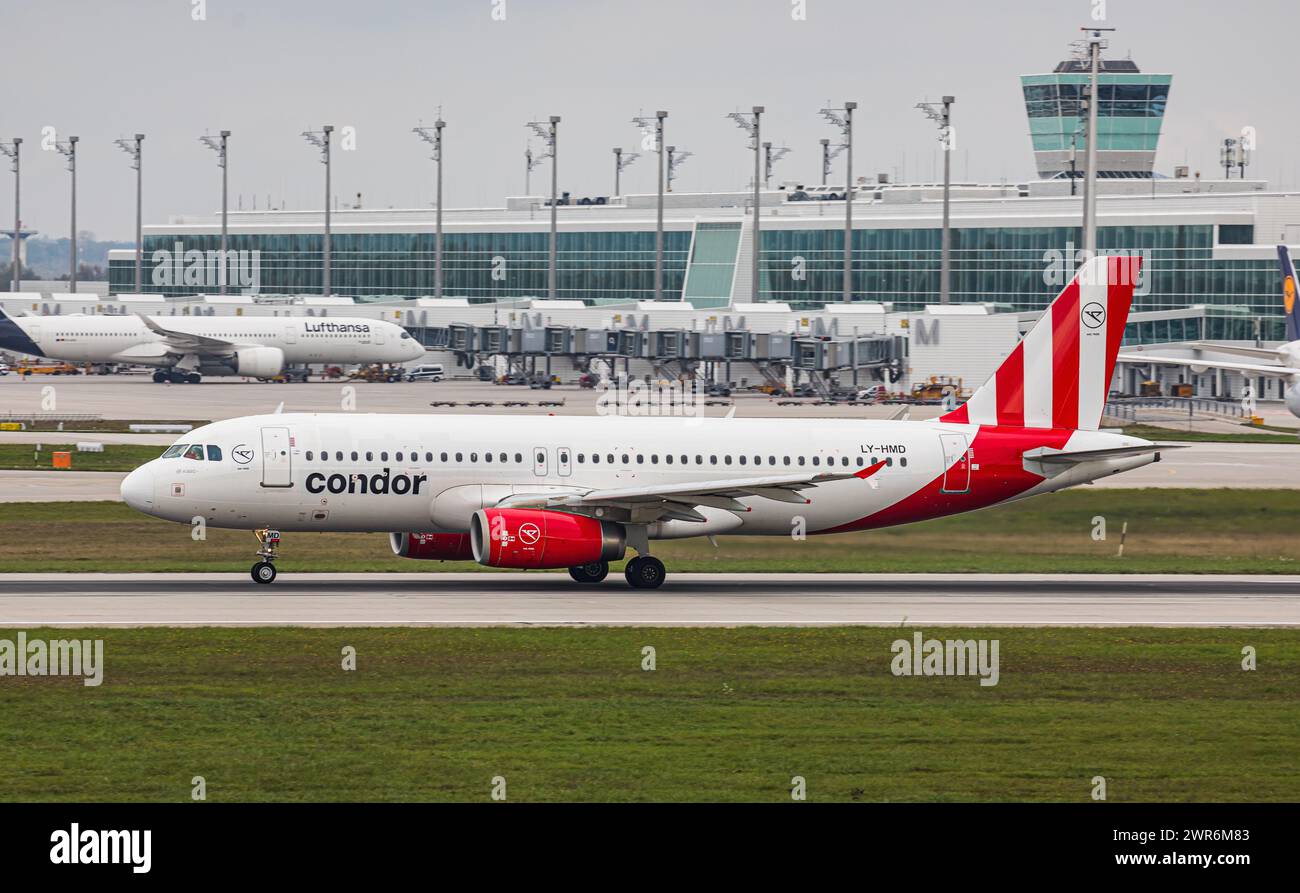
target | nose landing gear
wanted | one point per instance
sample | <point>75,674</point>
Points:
<point>264,570</point>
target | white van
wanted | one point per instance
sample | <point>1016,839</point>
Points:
<point>425,372</point>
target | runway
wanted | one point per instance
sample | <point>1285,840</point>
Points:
<point>538,599</point>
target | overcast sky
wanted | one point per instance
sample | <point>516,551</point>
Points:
<point>269,70</point>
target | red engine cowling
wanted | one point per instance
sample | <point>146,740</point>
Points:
<point>543,539</point>
<point>434,546</point>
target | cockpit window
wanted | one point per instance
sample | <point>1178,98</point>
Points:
<point>405,336</point>
<point>174,450</point>
<point>195,452</point>
<point>214,453</point>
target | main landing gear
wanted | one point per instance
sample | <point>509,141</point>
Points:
<point>645,572</point>
<point>593,572</point>
<point>176,376</point>
<point>264,570</point>
<point>642,572</point>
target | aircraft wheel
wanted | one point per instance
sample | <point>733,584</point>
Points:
<point>193,378</point>
<point>263,572</point>
<point>592,572</point>
<point>645,572</point>
<point>159,377</point>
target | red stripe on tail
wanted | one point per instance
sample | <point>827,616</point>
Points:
<point>1065,358</point>
<point>1011,388</point>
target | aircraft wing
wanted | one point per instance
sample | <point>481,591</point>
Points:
<point>184,342</point>
<point>1257,368</point>
<point>1258,353</point>
<point>678,501</point>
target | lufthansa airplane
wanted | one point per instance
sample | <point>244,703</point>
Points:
<point>185,348</point>
<point>1282,362</point>
<point>577,492</point>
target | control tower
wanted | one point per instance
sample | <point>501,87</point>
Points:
<point>1131,109</point>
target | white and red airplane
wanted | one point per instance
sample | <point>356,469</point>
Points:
<point>577,492</point>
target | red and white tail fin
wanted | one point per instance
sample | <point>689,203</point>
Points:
<point>1059,373</point>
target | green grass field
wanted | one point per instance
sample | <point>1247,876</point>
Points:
<point>731,715</point>
<point>1249,435</point>
<point>115,457</point>
<point>1169,531</point>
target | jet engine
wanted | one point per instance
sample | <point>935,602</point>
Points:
<point>432,546</point>
<point>259,362</point>
<point>538,538</point>
<point>1293,397</point>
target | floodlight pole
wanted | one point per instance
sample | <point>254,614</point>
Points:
<point>218,145</point>
<point>14,150</point>
<point>69,148</point>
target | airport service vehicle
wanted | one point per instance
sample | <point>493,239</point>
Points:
<point>578,492</point>
<point>426,372</point>
<point>183,349</point>
<point>1282,361</point>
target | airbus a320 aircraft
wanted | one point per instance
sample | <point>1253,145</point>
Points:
<point>576,493</point>
<point>185,348</point>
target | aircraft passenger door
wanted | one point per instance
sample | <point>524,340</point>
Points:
<point>563,461</point>
<point>539,461</point>
<point>291,334</point>
<point>379,334</point>
<point>277,465</point>
<point>956,463</point>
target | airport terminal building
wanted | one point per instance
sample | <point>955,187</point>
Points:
<point>1209,248</point>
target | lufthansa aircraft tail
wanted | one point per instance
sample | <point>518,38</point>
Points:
<point>1288,294</point>
<point>1059,373</point>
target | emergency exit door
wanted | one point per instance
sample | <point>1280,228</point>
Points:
<point>956,463</point>
<point>277,458</point>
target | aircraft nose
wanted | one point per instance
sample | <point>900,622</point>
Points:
<point>137,489</point>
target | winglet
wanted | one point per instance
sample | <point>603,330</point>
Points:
<point>869,470</point>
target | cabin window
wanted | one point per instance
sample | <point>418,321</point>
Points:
<point>859,461</point>
<point>308,455</point>
<point>428,457</point>
<point>473,457</point>
<point>519,457</point>
<point>355,456</point>
<point>817,460</point>
<point>487,457</point>
<point>581,458</point>
<point>640,459</point>
<point>801,460</point>
<point>744,460</point>
<point>625,458</point>
<point>504,457</point>
<point>668,458</point>
<point>889,463</point>
<point>903,461</point>
<point>370,457</point>
<point>595,458</point>
<point>399,457</point>
<point>787,460</point>
<point>460,457</point>
<point>338,456</point>
<point>383,456</point>
<point>442,457</point>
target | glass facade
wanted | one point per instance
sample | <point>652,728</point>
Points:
<point>1002,265</point>
<point>1007,265</point>
<point>1129,111</point>
<point>591,266</point>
